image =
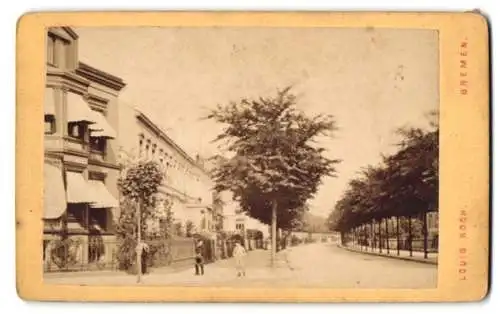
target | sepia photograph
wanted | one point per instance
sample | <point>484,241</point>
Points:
<point>241,157</point>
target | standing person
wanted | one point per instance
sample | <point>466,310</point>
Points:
<point>143,249</point>
<point>199,267</point>
<point>239,253</point>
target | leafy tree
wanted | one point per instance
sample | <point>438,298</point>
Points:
<point>275,166</point>
<point>138,186</point>
<point>406,184</point>
<point>218,204</point>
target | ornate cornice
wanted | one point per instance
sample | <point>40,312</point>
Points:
<point>97,101</point>
<point>54,156</point>
<point>104,164</point>
<point>74,166</point>
<point>75,152</point>
<point>70,32</point>
<point>67,80</point>
<point>65,33</point>
<point>101,77</point>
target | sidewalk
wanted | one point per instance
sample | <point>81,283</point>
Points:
<point>432,258</point>
<point>219,273</point>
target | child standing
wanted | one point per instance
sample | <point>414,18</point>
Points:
<point>239,253</point>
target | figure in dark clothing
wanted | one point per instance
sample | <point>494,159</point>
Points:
<point>199,264</point>
<point>199,268</point>
<point>143,248</point>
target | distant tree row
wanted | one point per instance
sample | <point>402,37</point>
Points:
<point>404,185</point>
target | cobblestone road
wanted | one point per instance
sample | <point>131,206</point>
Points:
<point>314,265</point>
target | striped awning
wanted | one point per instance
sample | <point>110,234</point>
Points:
<point>78,110</point>
<point>101,128</point>
<point>102,198</point>
<point>49,106</point>
<point>78,190</point>
<point>54,199</point>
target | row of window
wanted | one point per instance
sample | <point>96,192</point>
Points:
<point>60,52</point>
<point>76,131</point>
<point>86,216</point>
<point>240,226</point>
<point>146,149</point>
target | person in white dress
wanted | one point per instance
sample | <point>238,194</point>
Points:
<point>239,253</point>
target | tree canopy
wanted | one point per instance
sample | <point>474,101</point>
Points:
<point>405,184</point>
<point>141,181</point>
<point>274,158</point>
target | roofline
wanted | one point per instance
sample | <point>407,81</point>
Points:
<point>143,118</point>
<point>93,74</point>
<point>70,31</point>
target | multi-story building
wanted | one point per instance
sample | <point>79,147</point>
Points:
<point>80,168</point>
<point>187,184</point>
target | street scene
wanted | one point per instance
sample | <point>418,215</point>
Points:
<point>313,266</point>
<point>241,157</point>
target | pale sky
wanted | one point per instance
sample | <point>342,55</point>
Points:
<point>372,80</point>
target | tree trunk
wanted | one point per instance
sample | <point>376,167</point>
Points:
<point>356,237</point>
<point>387,234</point>
<point>410,236</point>
<point>372,231</point>
<point>424,230</point>
<point>380,236</point>
<point>359,238</point>
<point>353,238</point>
<point>365,236</point>
<point>273,232</point>
<point>397,234</point>
<point>138,253</point>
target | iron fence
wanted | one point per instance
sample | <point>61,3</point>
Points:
<point>79,254</point>
<point>97,253</point>
<point>92,253</point>
<point>384,244</point>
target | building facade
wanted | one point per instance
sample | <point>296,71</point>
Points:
<point>187,185</point>
<point>80,166</point>
<point>237,222</point>
<point>241,222</point>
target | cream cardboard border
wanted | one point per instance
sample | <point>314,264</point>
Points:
<point>464,155</point>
